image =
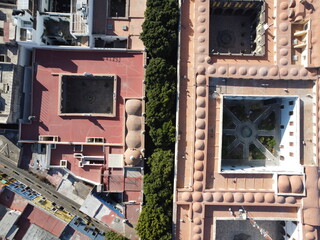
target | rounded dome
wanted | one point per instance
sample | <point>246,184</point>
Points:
<point>200,134</point>
<point>198,176</point>
<point>133,123</point>
<point>197,196</point>
<point>201,79</point>
<point>201,69</point>
<point>200,113</point>
<point>248,197</point>
<point>132,156</point>
<point>199,155</point>
<point>186,196</point>
<point>133,107</point>
<point>208,197</point>
<point>197,229</point>
<point>274,71</point>
<point>201,101</point>
<point>211,69</point>
<point>280,199</point>
<point>228,197</point>
<point>201,91</point>
<point>308,228</point>
<point>238,197</point>
<point>269,197</point>
<point>296,184</point>
<point>218,197</point>
<point>291,200</point>
<point>133,139</point>
<point>199,145</point>
<point>197,221</point>
<point>284,184</point>
<point>310,236</point>
<point>200,123</point>
<point>197,186</point>
<point>198,165</point>
<point>197,207</point>
<point>259,197</point>
<point>196,237</point>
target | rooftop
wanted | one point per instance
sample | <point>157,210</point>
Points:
<point>33,215</point>
<point>36,232</point>
<point>127,66</point>
<point>7,222</point>
<point>247,146</point>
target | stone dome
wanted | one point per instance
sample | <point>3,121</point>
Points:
<point>197,207</point>
<point>197,196</point>
<point>296,184</point>
<point>133,139</point>
<point>284,184</point>
<point>132,157</point>
<point>133,123</point>
<point>186,196</point>
<point>198,186</point>
<point>269,197</point>
<point>249,197</point>
<point>133,107</point>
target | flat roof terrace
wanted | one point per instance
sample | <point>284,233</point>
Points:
<point>50,65</point>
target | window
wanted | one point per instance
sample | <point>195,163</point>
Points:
<point>117,8</point>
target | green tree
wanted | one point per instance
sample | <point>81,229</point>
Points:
<point>154,222</point>
<point>160,107</point>
<point>158,183</point>
<point>159,30</point>
<point>113,236</point>
<point>155,219</point>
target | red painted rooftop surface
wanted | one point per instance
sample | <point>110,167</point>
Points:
<point>131,212</point>
<point>127,66</point>
<point>33,215</point>
<point>13,201</point>
<point>66,152</point>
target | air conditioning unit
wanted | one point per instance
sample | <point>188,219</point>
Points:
<point>295,57</point>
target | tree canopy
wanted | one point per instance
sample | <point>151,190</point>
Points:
<point>160,31</point>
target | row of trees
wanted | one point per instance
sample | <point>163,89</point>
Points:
<point>160,38</point>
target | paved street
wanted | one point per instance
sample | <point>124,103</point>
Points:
<point>44,189</point>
